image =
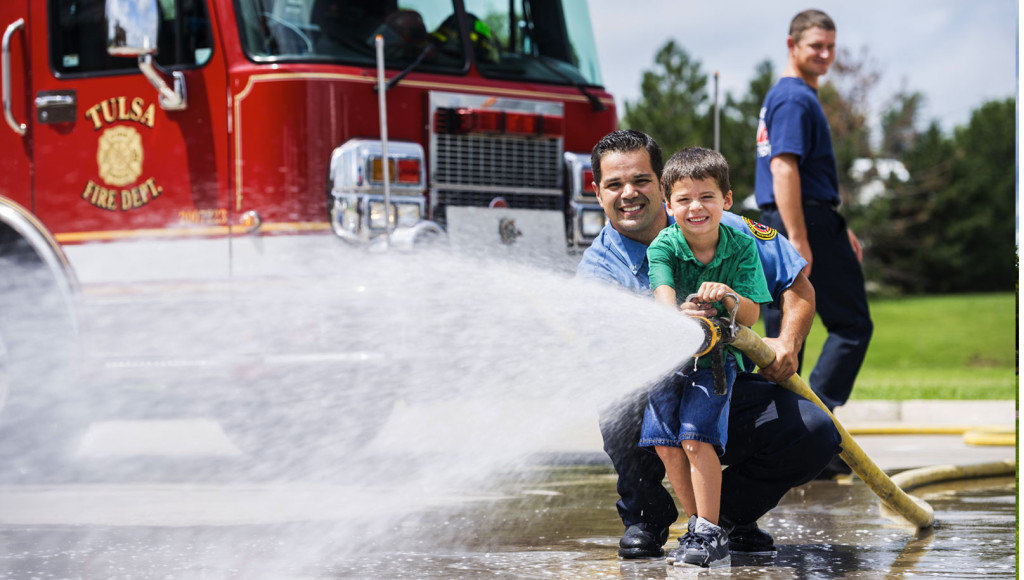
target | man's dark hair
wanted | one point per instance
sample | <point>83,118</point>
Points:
<point>696,163</point>
<point>809,19</point>
<point>625,141</point>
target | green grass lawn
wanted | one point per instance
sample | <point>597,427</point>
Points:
<point>935,347</point>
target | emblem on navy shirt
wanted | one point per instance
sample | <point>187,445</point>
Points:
<point>760,231</point>
<point>764,146</point>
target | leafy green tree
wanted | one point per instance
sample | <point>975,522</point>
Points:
<point>976,211</point>
<point>894,228</point>
<point>674,101</point>
<point>899,121</point>
<point>738,129</point>
<point>677,110</point>
<point>844,97</point>
<point>951,227</point>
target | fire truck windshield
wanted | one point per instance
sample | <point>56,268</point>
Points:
<point>540,41</point>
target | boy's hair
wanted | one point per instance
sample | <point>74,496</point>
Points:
<point>625,141</point>
<point>809,19</point>
<point>695,163</point>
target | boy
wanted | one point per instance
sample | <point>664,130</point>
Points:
<point>687,424</point>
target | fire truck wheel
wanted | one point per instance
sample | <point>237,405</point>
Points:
<point>37,393</point>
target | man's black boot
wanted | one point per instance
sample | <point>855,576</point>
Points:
<point>835,467</point>
<point>748,538</point>
<point>643,540</point>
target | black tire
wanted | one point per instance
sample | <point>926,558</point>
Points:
<point>37,338</point>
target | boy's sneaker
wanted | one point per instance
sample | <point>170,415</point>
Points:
<point>685,541</point>
<point>711,548</point>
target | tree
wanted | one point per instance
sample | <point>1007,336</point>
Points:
<point>673,103</point>
<point>844,97</point>
<point>976,211</point>
<point>895,227</point>
<point>899,122</point>
<point>738,131</point>
<point>951,227</point>
<point>676,109</point>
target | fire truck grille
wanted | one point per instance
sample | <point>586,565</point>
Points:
<point>473,170</point>
<point>499,161</point>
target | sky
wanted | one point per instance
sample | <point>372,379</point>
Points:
<point>957,53</point>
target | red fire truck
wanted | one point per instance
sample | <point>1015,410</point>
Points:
<point>237,129</point>
<point>165,142</point>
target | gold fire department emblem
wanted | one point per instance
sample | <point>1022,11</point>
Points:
<point>119,155</point>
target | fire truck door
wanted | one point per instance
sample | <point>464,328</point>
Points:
<point>15,153</point>
<point>134,191</point>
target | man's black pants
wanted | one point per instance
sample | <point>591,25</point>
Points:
<point>841,302</point>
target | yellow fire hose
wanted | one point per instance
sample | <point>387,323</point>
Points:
<point>913,509</point>
<point>915,478</point>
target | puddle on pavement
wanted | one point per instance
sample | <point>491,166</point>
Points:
<point>562,524</point>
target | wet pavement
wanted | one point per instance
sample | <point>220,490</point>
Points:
<point>532,522</point>
<point>561,526</point>
<point>176,499</point>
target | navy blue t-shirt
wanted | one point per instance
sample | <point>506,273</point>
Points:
<point>792,121</point>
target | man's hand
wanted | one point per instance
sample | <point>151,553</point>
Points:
<point>855,244</point>
<point>803,247</point>
<point>785,363</point>
<point>797,317</point>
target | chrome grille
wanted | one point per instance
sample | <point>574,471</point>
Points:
<point>481,160</point>
<point>525,172</point>
<point>472,164</point>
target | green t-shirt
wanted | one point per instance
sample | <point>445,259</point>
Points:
<point>736,264</point>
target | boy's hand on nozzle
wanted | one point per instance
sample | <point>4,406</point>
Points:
<point>696,307</point>
<point>714,292</point>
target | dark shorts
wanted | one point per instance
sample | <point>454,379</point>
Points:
<point>688,408</point>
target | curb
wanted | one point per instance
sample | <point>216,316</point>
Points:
<point>946,414</point>
<point>928,429</point>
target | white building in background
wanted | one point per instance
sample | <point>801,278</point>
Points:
<point>871,175</point>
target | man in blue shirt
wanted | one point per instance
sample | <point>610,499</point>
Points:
<point>797,189</point>
<point>778,440</point>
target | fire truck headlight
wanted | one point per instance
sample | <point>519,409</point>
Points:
<point>345,216</point>
<point>377,217</point>
<point>591,222</point>
<point>408,214</point>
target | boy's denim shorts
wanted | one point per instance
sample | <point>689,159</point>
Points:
<point>686,407</point>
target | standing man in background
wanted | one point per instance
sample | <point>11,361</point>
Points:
<point>797,189</point>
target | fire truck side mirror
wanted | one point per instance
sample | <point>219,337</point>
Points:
<point>132,31</point>
<point>132,27</point>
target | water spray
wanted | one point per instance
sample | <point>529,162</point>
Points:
<point>721,331</point>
